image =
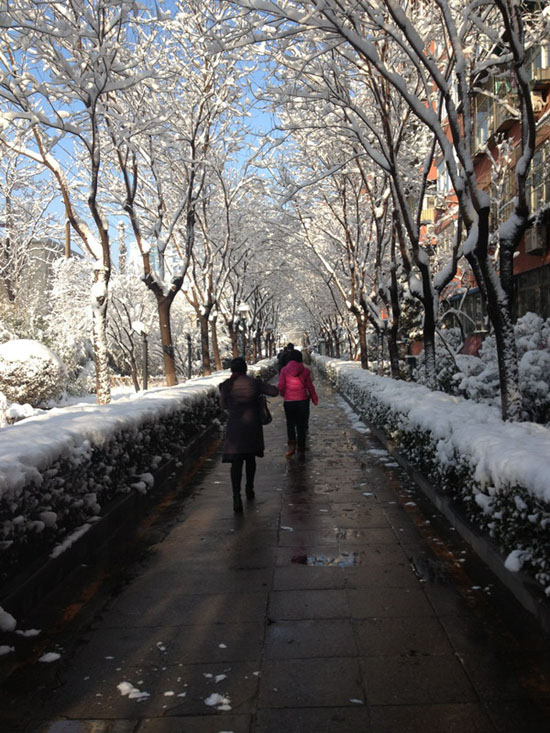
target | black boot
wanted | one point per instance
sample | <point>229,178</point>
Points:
<point>250,494</point>
<point>237,502</point>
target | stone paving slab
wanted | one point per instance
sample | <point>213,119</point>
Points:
<point>340,601</point>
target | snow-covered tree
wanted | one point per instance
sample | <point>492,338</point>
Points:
<point>62,64</point>
<point>27,243</point>
<point>187,124</point>
<point>134,346</point>
<point>69,321</point>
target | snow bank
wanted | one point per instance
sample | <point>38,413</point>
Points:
<point>29,447</point>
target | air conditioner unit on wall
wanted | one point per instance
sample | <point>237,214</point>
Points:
<point>535,240</point>
<point>542,74</point>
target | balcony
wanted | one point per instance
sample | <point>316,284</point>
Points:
<point>427,216</point>
<point>505,113</point>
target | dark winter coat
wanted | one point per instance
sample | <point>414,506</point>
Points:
<point>244,433</point>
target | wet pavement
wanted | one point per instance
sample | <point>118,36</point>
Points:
<point>339,601</point>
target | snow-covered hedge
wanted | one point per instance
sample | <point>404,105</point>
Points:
<point>476,377</point>
<point>30,372</point>
<point>59,469</point>
<point>497,472</point>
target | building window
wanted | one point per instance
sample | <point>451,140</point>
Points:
<point>533,292</point>
<point>540,60</point>
<point>470,311</point>
<point>538,181</point>
<point>484,107</point>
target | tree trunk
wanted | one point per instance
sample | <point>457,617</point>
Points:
<point>163,306</point>
<point>499,309</point>
<point>134,375</point>
<point>336,344</point>
<point>215,345</point>
<point>362,332</point>
<point>429,345</point>
<point>234,336</point>
<point>428,301</point>
<point>205,344</point>
<point>99,321</point>
<point>393,347</point>
<point>393,350</point>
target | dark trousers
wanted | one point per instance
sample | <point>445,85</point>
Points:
<point>296,421</point>
<point>237,473</point>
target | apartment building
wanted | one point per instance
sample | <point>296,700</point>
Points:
<point>496,141</point>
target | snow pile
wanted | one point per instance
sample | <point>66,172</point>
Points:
<point>497,472</point>
<point>126,688</point>
<point>58,469</point>
<point>30,372</point>
<point>7,621</point>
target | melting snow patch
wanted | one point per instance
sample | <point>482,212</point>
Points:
<point>218,701</point>
<point>7,621</point>
<point>356,701</point>
<point>287,529</point>
<point>70,540</point>
<point>6,649</point>
<point>50,657</point>
<point>28,632</point>
<point>126,688</point>
<point>222,646</point>
<point>220,677</point>
<point>514,561</point>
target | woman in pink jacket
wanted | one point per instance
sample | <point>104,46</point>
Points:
<point>296,387</point>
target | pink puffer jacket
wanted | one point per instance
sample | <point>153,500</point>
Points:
<point>295,383</point>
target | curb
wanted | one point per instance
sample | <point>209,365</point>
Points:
<point>121,515</point>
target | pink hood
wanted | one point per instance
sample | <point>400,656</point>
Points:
<point>294,369</point>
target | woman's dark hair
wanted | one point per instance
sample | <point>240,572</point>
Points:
<point>238,365</point>
<point>296,355</point>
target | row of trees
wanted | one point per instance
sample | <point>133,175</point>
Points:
<point>124,108</point>
<point>376,95</point>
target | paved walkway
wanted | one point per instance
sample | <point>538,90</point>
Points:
<point>339,602</point>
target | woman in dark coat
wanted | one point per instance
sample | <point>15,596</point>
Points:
<point>244,436</point>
